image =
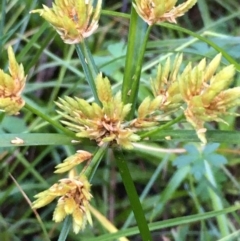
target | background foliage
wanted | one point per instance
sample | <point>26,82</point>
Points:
<point>169,185</point>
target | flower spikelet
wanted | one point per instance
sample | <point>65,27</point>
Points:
<point>100,123</point>
<point>74,200</point>
<point>104,90</point>
<point>147,112</point>
<point>73,20</point>
<point>157,11</point>
<point>207,93</point>
<point>166,86</point>
<point>72,161</point>
<point>11,86</point>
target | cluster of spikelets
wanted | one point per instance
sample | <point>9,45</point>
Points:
<point>11,86</point>
<point>203,92</point>
<point>73,193</point>
<point>157,11</point>
<point>73,20</point>
<point>102,123</point>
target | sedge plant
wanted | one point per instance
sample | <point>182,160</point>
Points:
<point>182,100</point>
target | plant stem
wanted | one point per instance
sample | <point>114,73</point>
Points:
<point>92,167</point>
<point>89,67</point>
<point>65,229</point>
<point>138,37</point>
<point>49,120</point>
<point>228,57</point>
<point>147,188</point>
<point>2,22</point>
<point>172,222</point>
<point>2,115</point>
<point>158,129</point>
<point>216,201</point>
<point>133,196</point>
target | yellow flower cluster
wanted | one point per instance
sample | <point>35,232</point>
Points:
<point>73,20</point>
<point>165,85</point>
<point>73,193</point>
<point>74,200</point>
<point>205,91</point>
<point>73,161</point>
<point>100,123</point>
<point>157,11</point>
<point>11,86</point>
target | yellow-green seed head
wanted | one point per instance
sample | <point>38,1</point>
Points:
<point>73,20</point>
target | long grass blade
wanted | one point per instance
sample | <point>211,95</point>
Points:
<point>137,40</point>
<point>133,197</point>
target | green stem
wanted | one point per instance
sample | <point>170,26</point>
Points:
<point>233,236</point>
<point>91,169</point>
<point>2,22</point>
<point>133,196</point>
<point>114,14</point>
<point>25,50</point>
<point>200,37</point>
<point>65,229</point>
<point>137,41</point>
<point>193,194</point>
<point>90,61</point>
<point>49,120</point>
<point>216,201</point>
<point>147,188</point>
<point>88,67</point>
<point>2,115</point>
<point>163,127</point>
<point>198,207</point>
<point>161,225</point>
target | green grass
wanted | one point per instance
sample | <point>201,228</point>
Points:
<point>142,192</point>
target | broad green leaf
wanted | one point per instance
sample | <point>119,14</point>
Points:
<point>216,159</point>
<point>210,147</point>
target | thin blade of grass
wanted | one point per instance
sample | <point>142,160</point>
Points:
<point>2,22</point>
<point>89,70</point>
<point>34,139</point>
<point>190,136</point>
<point>166,224</point>
<point>41,223</point>
<point>230,59</point>
<point>137,40</point>
<point>65,229</point>
<point>216,201</point>
<point>91,169</point>
<point>133,196</point>
<point>33,40</point>
<point>147,188</point>
<point>49,120</point>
